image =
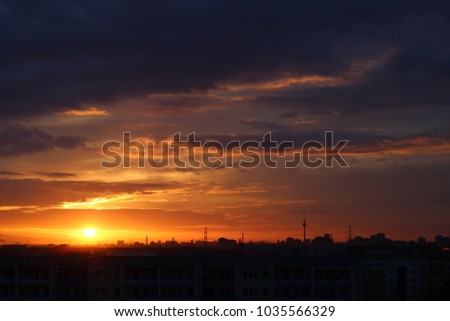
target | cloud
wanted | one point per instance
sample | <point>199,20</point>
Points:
<point>37,192</point>
<point>16,140</point>
<point>261,124</point>
<point>9,173</point>
<point>60,56</point>
<point>56,174</point>
<point>286,82</point>
<point>173,104</point>
<point>438,144</point>
<point>92,111</point>
<point>305,122</point>
<point>289,114</point>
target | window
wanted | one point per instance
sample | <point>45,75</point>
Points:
<point>249,274</point>
<point>102,291</point>
<point>249,292</point>
<point>102,274</point>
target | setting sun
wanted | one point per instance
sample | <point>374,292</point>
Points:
<point>89,232</point>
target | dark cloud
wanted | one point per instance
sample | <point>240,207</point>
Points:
<point>60,55</point>
<point>416,144</point>
<point>177,104</point>
<point>290,114</point>
<point>416,77</point>
<point>9,173</point>
<point>16,140</point>
<point>298,137</point>
<point>56,174</point>
<point>37,192</point>
<point>262,124</point>
<point>360,143</point>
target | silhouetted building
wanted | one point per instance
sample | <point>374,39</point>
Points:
<point>165,278</point>
<point>326,239</point>
<point>374,268</point>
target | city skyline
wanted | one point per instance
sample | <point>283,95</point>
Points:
<point>90,236</point>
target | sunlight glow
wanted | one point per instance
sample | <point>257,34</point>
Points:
<point>89,232</point>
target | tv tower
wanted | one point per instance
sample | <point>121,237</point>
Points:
<point>304,226</point>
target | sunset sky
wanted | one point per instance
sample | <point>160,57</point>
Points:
<point>75,74</point>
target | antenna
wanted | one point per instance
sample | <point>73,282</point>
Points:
<point>349,233</point>
<point>242,239</point>
<point>304,225</point>
<point>205,237</point>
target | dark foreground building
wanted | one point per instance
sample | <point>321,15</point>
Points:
<point>166,278</point>
<point>142,275</point>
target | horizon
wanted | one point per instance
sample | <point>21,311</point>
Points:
<point>97,240</point>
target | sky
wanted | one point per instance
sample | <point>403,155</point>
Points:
<point>76,74</point>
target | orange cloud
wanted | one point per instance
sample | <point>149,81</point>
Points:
<point>421,145</point>
<point>284,82</point>
<point>92,111</point>
<point>305,122</point>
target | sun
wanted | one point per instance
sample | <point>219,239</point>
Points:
<point>89,232</point>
